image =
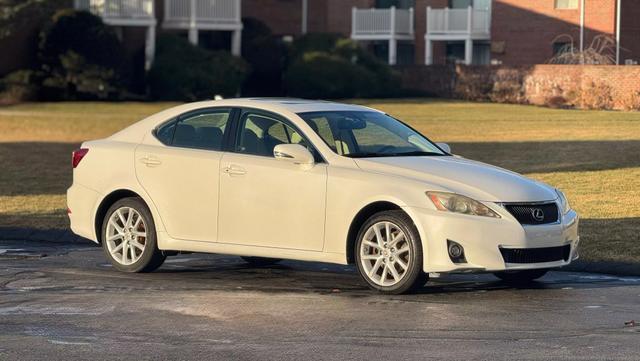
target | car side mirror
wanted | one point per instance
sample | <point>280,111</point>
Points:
<point>294,153</point>
<point>444,146</point>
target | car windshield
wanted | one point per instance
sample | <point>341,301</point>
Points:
<point>361,134</point>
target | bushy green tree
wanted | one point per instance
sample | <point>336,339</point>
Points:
<point>267,56</point>
<point>326,66</point>
<point>81,58</point>
<point>15,14</point>
<point>185,72</point>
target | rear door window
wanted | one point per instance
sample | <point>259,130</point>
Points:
<point>203,130</point>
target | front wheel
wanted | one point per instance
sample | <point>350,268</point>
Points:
<point>524,276</point>
<point>129,237</point>
<point>389,254</point>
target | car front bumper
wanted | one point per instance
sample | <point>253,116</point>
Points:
<point>482,238</point>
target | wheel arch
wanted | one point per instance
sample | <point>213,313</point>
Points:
<point>361,217</point>
<point>107,202</point>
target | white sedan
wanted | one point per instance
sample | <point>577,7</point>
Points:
<point>270,179</point>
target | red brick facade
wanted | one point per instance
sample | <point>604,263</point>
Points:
<point>526,29</point>
<point>522,31</point>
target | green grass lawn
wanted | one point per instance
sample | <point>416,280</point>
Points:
<point>594,156</point>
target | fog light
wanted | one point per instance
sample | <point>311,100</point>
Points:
<point>456,252</point>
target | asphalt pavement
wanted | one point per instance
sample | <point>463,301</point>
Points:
<point>63,301</point>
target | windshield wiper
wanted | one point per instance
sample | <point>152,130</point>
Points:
<point>403,154</point>
<point>364,155</point>
<point>415,153</point>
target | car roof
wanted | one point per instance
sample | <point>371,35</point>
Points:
<point>277,105</point>
<point>294,105</point>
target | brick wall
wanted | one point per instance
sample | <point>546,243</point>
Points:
<point>527,28</point>
<point>556,85</point>
<point>283,17</point>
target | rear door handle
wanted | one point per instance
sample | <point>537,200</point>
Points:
<point>234,170</point>
<point>150,161</point>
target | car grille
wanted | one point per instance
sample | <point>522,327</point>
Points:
<point>534,213</point>
<point>536,255</point>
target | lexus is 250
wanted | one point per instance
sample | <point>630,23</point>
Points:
<point>270,179</point>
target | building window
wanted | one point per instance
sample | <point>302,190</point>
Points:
<point>400,4</point>
<point>566,4</point>
<point>560,48</point>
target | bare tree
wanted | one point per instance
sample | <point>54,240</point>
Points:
<point>601,51</point>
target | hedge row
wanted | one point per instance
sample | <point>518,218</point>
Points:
<point>82,58</point>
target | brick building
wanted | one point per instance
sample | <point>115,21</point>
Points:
<point>509,32</point>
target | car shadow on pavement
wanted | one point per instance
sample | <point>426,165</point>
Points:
<point>309,277</point>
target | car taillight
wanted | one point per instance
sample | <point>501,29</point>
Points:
<point>77,156</point>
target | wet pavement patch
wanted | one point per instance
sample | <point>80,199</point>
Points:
<point>20,253</point>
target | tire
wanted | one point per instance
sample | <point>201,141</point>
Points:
<point>140,232</point>
<point>260,261</point>
<point>376,262</point>
<point>519,277</point>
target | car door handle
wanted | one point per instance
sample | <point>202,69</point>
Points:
<point>234,170</point>
<point>151,161</point>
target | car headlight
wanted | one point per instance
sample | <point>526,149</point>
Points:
<point>564,202</point>
<point>451,202</point>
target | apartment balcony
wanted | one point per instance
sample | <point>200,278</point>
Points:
<point>199,15</point>
<point>459,23</point>
<point>202,14</point>
<point>383,24</point>
<point>468,25</point>
<point>120,12</point>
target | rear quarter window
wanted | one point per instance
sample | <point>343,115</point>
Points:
<point>165,132</point>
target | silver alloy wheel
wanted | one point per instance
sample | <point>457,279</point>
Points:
<point>126,235</point>
<point>385,253</point>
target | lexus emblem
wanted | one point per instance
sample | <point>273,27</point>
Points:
<point>537,214</point>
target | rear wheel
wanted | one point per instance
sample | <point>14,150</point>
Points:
<point>524,276</point>
<point>129,237</point>
<point>260,261</point>
<point>389,254</point>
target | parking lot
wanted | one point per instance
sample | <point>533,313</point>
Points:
<point>61,300</point>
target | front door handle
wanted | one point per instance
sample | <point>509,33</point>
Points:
<point>150,161</point>
<point>234,170</point>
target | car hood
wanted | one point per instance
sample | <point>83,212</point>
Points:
<point>470,178</point>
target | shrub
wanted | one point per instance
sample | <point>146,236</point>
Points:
<point>325,66</point>
<point>386,81</point>
<point>182,71</point>
<point>324,42</point>
<point>267,57</point>
<point>323,75</point>
<point>556,102</point>
<point>472,85</point>
<point>631,101</point>
<point>19,86</point>
<point>79,79</point>
<point>81,57</point>
<point>508,87</point>
<point>597,95</point>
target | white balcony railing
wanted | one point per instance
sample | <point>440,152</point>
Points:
<point>469,21</point>
<point>120,12</point>
<point>382,23</point>
<point>202,14</point>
